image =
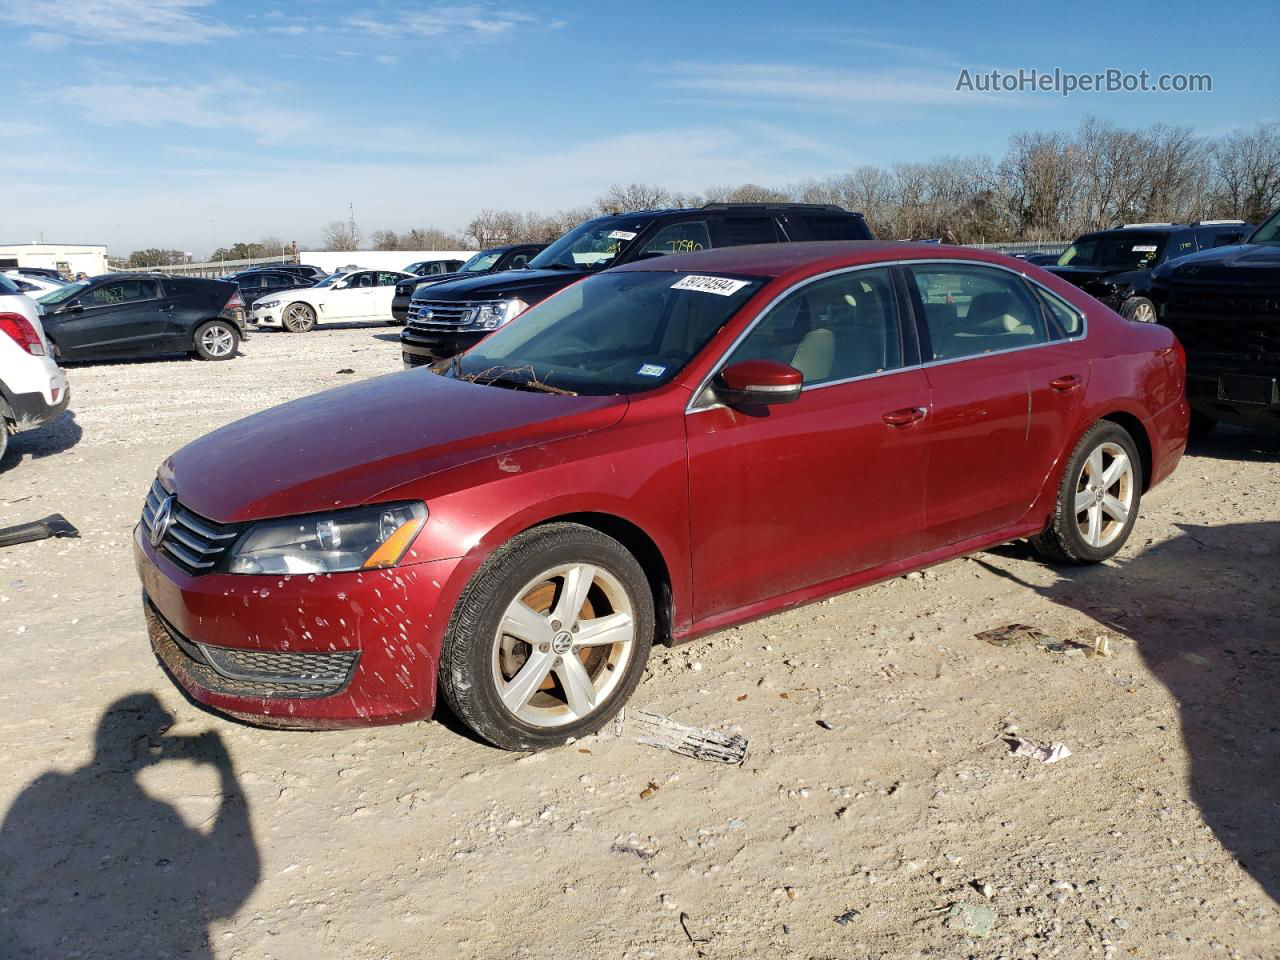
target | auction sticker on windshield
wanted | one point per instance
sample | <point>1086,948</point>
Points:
<point>722,286</point>
<point>1145,248</point>
<point>651,370</point>
<point>622,235</point>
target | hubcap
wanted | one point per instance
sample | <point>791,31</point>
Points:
<point>217,341</point>
<point>1104,494</point>
<point>299,316</point>
<point>1144,313</point>
<point>563,645</point>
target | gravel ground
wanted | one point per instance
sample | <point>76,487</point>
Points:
<point>880,789</point>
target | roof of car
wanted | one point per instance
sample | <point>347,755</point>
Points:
<point>779,259</point>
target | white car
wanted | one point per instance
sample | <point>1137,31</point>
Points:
<point>33,390</point>
<point>31,285</point>
<point>353,295</point>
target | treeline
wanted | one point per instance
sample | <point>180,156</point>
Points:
<point>1046,186</point>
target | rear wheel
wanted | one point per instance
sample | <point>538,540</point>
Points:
<point>1098,498</point>
<point>298,318</point>
<point>4,438</point>
<point>549,639</point>
<point>216,340</point>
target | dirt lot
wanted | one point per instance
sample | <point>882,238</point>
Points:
<point>139,826</point>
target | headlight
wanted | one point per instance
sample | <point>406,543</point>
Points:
<point>365,538</point>
<point>490,316</point>
<point>266,304</point>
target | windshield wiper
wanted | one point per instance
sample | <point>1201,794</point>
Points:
<point>536,385</point>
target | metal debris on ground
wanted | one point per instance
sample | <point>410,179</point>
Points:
<point>1029,748</point>
<point>846,918</point>
<point>1012,635</point>
<point>55,525</point>
<point>659,731</point>
<point>974,921</point>
<point>634,849</point>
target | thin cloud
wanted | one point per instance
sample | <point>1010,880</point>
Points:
<point>57,23</point>
<point>477,21</point>
<point>820,85</point>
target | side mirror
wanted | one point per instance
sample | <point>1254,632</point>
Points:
<point>342,284</point>
<point>75,306</point>
<point>758,383</point>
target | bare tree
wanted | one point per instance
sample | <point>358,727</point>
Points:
<point>1246,172</point>
<point>623,198</point>
<point>385,240</point>
<point>341,235</point>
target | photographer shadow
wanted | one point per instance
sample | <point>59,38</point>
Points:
<point>91,865</point>
<point>1203,613</point>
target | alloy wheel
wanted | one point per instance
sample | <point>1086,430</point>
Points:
<point>563,645</point>
<point>217,340</point>
<point>298,317</point>
<point>1104,494</point>
<point>1144,313</point>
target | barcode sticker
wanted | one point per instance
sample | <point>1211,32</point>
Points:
<point>721,286</point>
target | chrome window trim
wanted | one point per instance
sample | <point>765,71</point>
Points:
<point>691,406</point>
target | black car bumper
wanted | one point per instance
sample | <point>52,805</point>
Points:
<point>419,349</point>
<point>1245,399</point>
<point>30,409</point>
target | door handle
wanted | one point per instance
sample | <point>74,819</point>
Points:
<point>904,417</point>
<point>1069,382</point>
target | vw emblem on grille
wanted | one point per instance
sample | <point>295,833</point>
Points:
<point>162,522</point>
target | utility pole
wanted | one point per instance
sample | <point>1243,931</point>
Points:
<point>351,224</point>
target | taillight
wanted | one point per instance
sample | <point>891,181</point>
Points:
<point>19,329</point>
<point>235,303</point>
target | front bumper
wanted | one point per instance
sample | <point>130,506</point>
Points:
<point>418,349</point>
<point>340,650</point>
<point>1246,399</point>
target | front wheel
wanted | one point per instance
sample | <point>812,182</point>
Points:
<point>1138,309</point>
<point>549,639</point>
<point>216,340</point>
<point>298,318</point>
<point>1098,498</point>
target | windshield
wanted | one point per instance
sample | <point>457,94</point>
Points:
<point>612,333</point>
<point>1115,251</point>
<point>484,260</point>
<point>64,293</point>
<point>1269,232</point>
<point>7,285</point>
<point>330,280</point>
<point>591,245</point>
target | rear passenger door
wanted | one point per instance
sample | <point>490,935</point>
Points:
<point>984,339</point>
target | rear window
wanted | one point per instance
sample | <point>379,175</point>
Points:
<point>831,226</point>
<point>7,285</point>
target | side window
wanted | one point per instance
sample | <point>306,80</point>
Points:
<point>278,280</point>
<point>683,237</point>
<point>1065,321</point>
<point>1181,244</point>
<point>832,329</point>
<point>517,261</point>
<point>828,226</point>
<point>972,310</point>
<point>252,282</point>
<point>739,231</point>
<point>121,291</point>
<point>364,280</point>
<point>387,278</point>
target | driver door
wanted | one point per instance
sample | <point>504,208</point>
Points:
<point>119,316</point>
<point>801,494</point>
<point>348,302</point>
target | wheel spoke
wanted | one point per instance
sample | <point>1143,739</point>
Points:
<point>525,624</point>
<point>1095,465</point>
<point>1119,467</point>
<point>1094,536</point>
<point>1114,508</point>
<point>1084,500</point>
<point>527,680</point>
<point>578,688</point>
<point>573,595</point>
<point>604,631</point>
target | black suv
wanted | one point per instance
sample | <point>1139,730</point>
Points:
<point>1115,266</point>
<point>1224,305</point>
<point>143,314</point>
<point>447,318</point>
<point>255,284</point>
<point>493,260</point>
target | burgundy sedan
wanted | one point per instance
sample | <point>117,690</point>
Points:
<point>655,453</point>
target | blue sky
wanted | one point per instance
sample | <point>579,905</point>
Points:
<point>195,123</point>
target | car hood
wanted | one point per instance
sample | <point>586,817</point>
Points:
<point>1243,264</point>
<point>529,285</point>
<point>1082,275</point>
<point>343,447</point>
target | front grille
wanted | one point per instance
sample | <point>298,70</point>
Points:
<point>444,316</point>
<point>266,674</point>
<point>1239,325</point>
<point>417,360</point>
<point>194,543</point>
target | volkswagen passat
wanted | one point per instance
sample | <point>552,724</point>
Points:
<point>654,453</point>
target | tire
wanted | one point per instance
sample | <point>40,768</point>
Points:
<point>521,694</point>
<point>1201,426</point>
<point>1139,309</point>
<point>298,318</point>
<point>217,340</point>
<point>4,438</point>
<point>1102,533</point>
<point>393,322</point>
